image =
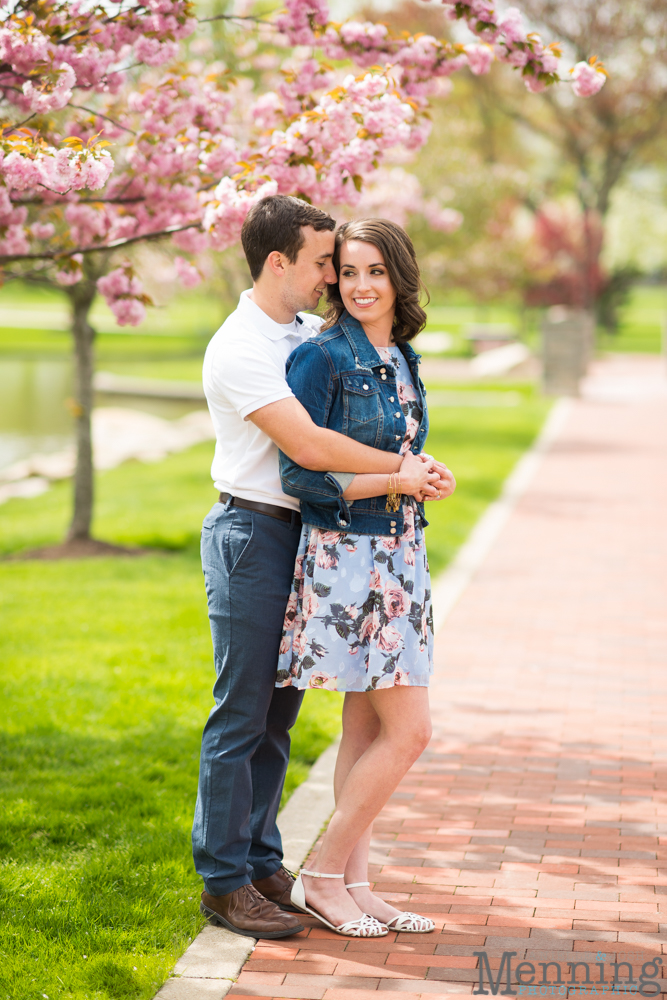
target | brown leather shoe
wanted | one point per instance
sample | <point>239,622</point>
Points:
<point>278,888</point>
<point>246,911</point>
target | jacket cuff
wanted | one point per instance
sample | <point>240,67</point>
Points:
<point>341,481</point>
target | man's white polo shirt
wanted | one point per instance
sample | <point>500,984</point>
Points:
<point>244,369</point>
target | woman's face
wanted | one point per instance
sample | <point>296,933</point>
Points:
<point>364,284</point>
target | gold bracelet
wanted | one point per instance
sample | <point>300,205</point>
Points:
<point>393,504</point>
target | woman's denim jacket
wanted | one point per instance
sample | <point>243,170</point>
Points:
<point>341,380</point>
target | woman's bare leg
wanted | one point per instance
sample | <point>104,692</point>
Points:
<point>402,729</point>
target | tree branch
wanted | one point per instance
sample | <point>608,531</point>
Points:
<point>8,129</point>
<point>114,245</point>
<point>234,17</point>
<point>98,114</point>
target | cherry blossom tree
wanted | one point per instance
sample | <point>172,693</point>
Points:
<point>107,142</point>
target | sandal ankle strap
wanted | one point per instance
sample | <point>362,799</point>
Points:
<point>304,871</point>
<point>356,885</point>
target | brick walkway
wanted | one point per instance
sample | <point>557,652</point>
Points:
<point>536,823</point>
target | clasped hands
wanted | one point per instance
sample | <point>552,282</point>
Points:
<point>424,478</point>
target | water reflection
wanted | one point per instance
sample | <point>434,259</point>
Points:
<point>33,413</point>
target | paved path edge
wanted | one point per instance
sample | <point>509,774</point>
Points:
<point>211,965</point>
<point>454,580</point>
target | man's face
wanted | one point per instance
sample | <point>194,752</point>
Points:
<point>307,278</point>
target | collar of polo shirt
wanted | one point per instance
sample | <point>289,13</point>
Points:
<point>267,326</point>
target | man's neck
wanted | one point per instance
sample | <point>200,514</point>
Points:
<point>271,305</point>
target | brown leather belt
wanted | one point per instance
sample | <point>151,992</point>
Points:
<point>281,513</point>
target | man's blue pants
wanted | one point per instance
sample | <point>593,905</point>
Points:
<point>248,561</point>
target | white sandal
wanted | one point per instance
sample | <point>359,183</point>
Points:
<point>406,922</point>
<point>366,927</point>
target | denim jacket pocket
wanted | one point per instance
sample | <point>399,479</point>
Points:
<point>362,398</point>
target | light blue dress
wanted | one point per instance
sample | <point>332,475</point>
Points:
<point>360,617</point>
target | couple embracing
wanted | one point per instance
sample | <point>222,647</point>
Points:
<point>314,577</point>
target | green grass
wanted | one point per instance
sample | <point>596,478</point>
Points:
<point>106,685</point>
<point>641,321</point>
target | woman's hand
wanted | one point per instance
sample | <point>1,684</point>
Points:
<point>418,478</point>
<point>446,484</point>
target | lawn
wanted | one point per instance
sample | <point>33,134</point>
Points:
<point>180,332</point>
<point>106,685</point>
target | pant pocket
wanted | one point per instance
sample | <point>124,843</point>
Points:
<point>236,539</point>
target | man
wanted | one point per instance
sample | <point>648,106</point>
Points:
<point>249,543</point>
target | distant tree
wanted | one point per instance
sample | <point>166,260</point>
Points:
<point>594,145</point>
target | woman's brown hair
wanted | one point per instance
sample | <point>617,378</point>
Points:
<point>401,261</point>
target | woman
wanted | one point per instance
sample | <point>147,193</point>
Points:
<point>359,618</point>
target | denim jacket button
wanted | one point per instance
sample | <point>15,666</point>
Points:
<point>392,531</point>
<point>397,437</point>
<point>393,524</point>
<point>397,414</point>
<point>391,399</point>
<point>382,371</point>
<point>364,386</point>
<point>384,378</point>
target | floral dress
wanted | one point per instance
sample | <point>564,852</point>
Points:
<point>359,616</point>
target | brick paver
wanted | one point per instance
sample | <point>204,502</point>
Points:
<point>536,823</point>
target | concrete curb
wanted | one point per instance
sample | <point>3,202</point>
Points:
<point>212,963</point>
<point>471,555</point>
<point>210,966</point>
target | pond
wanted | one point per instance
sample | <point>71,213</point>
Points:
<point>34,415</point>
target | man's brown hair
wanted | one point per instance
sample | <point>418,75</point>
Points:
<point>275,223</point>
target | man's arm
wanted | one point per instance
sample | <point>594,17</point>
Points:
<point>319,449</point>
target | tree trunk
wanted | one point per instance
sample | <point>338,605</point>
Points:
<point>82,296</point>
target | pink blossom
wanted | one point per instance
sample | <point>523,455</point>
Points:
<point>224,216</point>
<point>534,85</point>
<point>54,94</point>
<point>480,58</point>
<point>128,312</point>
<point>446,220</point>
<point>72,273</point>
<point>190,276</point>
<point>14,240</point>
<point>285,644</point>
<point>510,23</point>
<point>587,79</point>
<point>42,230</point>
<point>298,568</point>
<point>124,296</point>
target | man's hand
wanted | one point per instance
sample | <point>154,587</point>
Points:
<point>446,483</point>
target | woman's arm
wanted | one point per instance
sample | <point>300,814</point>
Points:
<point>416,479</point>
